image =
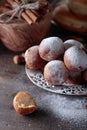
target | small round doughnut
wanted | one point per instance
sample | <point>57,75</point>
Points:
<point>75,59</point>
<point>24,103</point>
<point>51,48</point>
<point>68,20</point>
<point>55,72</point>
<point>79,7</point>
<point>33,59</point>
<point>71,42</point>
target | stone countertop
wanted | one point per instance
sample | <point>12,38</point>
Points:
<point>55,112</point>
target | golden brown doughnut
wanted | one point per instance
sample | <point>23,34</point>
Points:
<point>33,59</point>
<point>65,18</point>
<point>79,7</point>
<point>24,103</point>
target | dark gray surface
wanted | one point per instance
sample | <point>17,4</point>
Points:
<point>55,112</point>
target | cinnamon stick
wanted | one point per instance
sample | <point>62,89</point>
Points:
<point>26,17</point>
<point>31,15</point>
<point>35,12</point>
<point>11,2</point>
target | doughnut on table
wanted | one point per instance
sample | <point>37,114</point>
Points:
<point>55,111</point>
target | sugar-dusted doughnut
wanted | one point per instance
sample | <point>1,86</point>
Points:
<point>68,20</point>
<point>75,59</point>
<point>55,72</point>
<point>79,7</point>
<point>33,59</point>
<point>51,48</point>
<point>71,42</point>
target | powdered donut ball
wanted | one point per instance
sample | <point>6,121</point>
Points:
<point>75,59</point>
<point>71,42</point>
<point>55,72</point>
<point>51,48</point>
<point>33,59</point>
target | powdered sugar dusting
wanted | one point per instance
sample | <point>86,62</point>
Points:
<point>55,72</point>
<point>51,48</point>
<point>52,43</point>
<point>77,57</point>
<point>71,110</point>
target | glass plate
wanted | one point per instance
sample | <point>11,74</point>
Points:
<point>36,77</point>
